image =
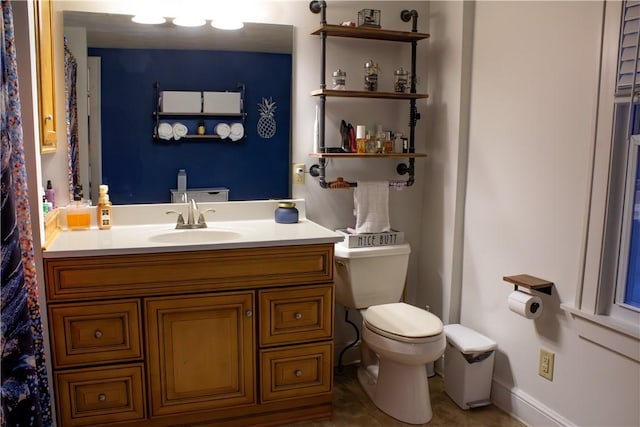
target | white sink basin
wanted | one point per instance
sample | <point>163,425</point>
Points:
<point>203,235</point>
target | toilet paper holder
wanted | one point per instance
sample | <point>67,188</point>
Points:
<point>530,282</point>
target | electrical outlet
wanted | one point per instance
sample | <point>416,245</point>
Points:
<point>297,172</point>
<point>545,369</point>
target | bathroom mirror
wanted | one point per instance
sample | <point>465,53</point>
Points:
<point>125,60</point>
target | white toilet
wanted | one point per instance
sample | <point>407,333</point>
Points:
<point>398,339</point>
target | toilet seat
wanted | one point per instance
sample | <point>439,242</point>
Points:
<point>403,322</point>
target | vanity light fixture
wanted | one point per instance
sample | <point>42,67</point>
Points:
<point>227,24</point>
<point>188,21</point>
<point>148,19</point>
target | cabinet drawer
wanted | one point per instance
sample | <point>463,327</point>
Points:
<point>90,333</point>
<point>296,371</point>
<point>296,315</point>
<point>87,397</point>
<point>141,275</point>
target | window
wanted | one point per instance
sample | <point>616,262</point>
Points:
<point>628,288</point>
<point>623,225</point>
<point>607,307</point>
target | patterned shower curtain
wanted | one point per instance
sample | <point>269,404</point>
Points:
<point>24,391</point>
<point>71,97</point>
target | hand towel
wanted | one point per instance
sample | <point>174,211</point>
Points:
<point>179,130</point>
<point>237,131</point>
<point>223,130</point>
<point>165,131</point>
<point>371,206</point>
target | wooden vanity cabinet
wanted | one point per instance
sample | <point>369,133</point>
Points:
<point>228,337</point>
<point>200,352</point>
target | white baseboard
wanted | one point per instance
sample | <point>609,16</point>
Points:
<point>525,408</point>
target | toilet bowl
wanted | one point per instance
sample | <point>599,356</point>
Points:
<point>398,339</point>
<point>401,340</point>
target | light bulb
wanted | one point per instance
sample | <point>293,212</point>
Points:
<point>188,21</point>
<point>148,19</point>
<point>227,24</point>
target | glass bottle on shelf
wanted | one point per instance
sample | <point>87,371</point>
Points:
<point>388,142</point>
<point>361,139</point>
<point>401,80</point>
<point>371,70</point>
<point>339,79</point>
<point>370,144</point>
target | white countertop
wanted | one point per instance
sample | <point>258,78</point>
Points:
<point>138,227</point>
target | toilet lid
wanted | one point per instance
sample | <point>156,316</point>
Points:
<point>403,320</point>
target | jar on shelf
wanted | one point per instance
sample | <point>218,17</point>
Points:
<point>401,80</point>
<point>286,213</point>
<point>339,79</point>
<point>371,70</point>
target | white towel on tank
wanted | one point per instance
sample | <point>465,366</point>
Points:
<point>371,206</point>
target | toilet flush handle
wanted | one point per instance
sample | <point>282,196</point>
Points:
<point>342,266</point>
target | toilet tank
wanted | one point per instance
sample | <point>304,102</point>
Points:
<point>370,276</point>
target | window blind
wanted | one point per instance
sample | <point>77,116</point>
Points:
<point>629,42</point>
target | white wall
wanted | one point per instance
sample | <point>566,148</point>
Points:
<point>533,104</point>
<point>447,118</point>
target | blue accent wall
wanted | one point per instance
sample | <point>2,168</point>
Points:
<point>139,169</point>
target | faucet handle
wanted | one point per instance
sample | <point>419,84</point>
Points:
<point>201,220</point>
<point>180,217</point>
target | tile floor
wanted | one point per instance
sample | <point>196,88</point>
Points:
<point>352,408</point>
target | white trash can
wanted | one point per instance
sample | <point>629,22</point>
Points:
<point>468,366</point>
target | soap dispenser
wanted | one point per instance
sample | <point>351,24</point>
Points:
<point>50,194</point>
<point>104,208</point>
<point>77,212</point>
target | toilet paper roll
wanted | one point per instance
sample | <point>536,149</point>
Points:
<point>526,305</point>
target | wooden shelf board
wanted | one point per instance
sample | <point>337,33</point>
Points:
<point>201,137</point>
<point>367,94</point>
<point>366,155</point>
<point>212,115</point>
<point>530,282</point>
<point>195,137</point>
<point>369,33</point>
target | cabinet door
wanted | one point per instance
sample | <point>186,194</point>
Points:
<point>200,352</point>
<point>46,75</point>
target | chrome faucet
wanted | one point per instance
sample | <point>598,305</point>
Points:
<point>192,213</point>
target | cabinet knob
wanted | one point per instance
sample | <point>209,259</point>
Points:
<point>98,334</point>
<point>249,313</point>
<point>48,117</point>
<point>298,316</point>
<point>102,397</point>
<point>298,373</point>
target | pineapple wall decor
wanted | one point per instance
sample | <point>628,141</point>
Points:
<point>267,122</point>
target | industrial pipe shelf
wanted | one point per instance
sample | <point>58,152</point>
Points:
<point>365,155</point>
<point>367,94</point>
<point>368,33</point>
